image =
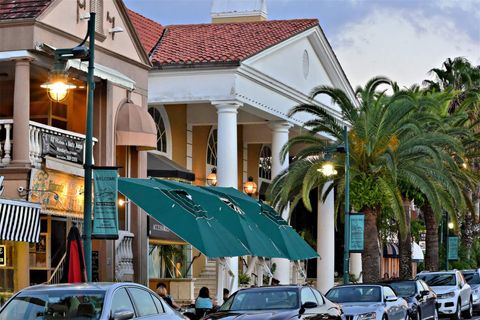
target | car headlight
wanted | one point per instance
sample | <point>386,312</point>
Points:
<point>367,316</point>
<point>446,295</point>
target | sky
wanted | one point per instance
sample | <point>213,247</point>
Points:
<point>400,39</point>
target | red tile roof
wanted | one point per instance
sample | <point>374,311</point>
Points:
<point>223,42</point>
<point>22,9</point>
<point>148,30</point>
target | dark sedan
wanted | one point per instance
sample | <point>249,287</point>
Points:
<point>95,301</point>
<point>278,303</point>
<point>422,301</point>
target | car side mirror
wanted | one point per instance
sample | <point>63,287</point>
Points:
<point>122,314</point>
<point>391,299</point>
<point>309,305</point>
<point>424,293</point>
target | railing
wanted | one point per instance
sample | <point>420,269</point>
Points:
<point>58,272</point>
<point>36,133</point>
<point>124,256</point>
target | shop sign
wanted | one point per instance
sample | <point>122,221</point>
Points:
<point>57,192</point>
<point>62,147</point>
<point>105,222</point>
<point>3,256</point>
<point>357,228</point>
<point>160,232</point>
<point>452,248</point>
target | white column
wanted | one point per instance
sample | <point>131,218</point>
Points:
<point>279,139</point>
<point>356,265</point>
<point>227,169</point>
<point>325,241</point>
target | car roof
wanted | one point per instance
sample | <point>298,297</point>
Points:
<point>360,285</point>
<point>277,287</point>
<point>104,286</point>
<point>438,272</point>
<point>388,282</point>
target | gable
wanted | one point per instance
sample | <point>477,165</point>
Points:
<point>69,17</point>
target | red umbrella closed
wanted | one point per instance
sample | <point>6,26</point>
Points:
<point>74,267</point>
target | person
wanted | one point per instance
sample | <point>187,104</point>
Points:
<point>203,300</point>
<point>226,294</point>
<point>275,282</point>
<point>162,292</point>
<point>386,276</point>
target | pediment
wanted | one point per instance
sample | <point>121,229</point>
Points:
<point>71,18</point>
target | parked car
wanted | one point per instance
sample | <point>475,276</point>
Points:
<point>473,279</point>
<point>421,299</point>
<point>278,303</point>
<point>454,294</point>
<point>369,302</point>
<point>99,301</point>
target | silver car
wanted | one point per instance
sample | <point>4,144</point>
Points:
<point>473,279</point>
<point>87,301</point>
<point>369,302</point>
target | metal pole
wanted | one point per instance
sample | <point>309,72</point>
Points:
<point>87,213</point>
<point>346,249</point>
<point>446,241</point>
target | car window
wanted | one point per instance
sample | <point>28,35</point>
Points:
<point>388,292</point>
<point>361,293</point>
<point>258,299</point>
<point>158,304</point>
<point>121,301</point>
<point>308,296</point>
<point>439,279</point>
<point>420,288</point>
<point>319,297</point>
<point>472,277</point>
<point>143,301</point>
<point>403,288</point>
<point>425,286</point>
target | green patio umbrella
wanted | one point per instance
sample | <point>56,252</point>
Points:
<point>285,237</point>
<point>232,217</point>
<point>184,216</point>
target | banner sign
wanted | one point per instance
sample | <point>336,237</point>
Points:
<point>62,147</point>
<point>3,256</point>
<point>453,248</point>
<point>357,230</point>
<point>105,222</point>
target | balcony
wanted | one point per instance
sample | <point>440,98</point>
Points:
<point>44,141</point>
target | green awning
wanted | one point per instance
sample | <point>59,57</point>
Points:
<point>233,217</point>
<point>285,237</point>
<point>183,215</point>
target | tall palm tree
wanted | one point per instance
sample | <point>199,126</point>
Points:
<point>388,145</point>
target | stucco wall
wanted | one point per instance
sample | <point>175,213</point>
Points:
<point>177,116</point>
<point>199,156</point>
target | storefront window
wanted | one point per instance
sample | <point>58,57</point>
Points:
<point>167,261</point>
<point>6,272</point>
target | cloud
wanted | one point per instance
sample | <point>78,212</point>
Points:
<point>402,45</point>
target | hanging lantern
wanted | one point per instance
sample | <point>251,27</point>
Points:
<point>212,178</point>
<point>250,187</point>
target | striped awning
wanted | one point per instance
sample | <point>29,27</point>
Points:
<point>390,250</point>
<point>19,221</point>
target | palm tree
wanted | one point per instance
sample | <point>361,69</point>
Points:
<point>388,145</point>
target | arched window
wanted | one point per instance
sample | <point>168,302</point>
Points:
<point>212,148</point>
<point>162,144</point>
<point>265,163</point>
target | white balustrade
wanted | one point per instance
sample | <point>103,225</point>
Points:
<point>36,132</point>
<point>124,256</point>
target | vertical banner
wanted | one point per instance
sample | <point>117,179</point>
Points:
<point>105,221</point>
<point>357,228</point>
<point>453,248</point>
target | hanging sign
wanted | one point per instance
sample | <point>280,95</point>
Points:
<point>105,222</point>
<point>62,147</point>
<point>453,248</point>
<point>3,256</point>
<point>356,232</point>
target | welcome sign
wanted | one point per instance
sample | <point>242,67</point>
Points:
<point>105,222</point>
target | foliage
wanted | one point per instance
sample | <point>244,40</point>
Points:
<point>243,278</point>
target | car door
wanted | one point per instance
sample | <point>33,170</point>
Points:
<point>422,305</point>
<point>464,290</point>
<point>325,308</point>
<point>307,296</point>
<point>431,300</point>
<point>145,306</point>
<point>120,302</point>
<point>393,308</point>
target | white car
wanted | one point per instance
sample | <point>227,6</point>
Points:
<point>473,279</point>
<point>454,295</point>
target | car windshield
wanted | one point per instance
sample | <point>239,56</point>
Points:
<point>355,294</point>
<point>439,279</point>
<point>472,277</point>
<point>403,288</point>
<point>54,304</point>
<point>262,300</point>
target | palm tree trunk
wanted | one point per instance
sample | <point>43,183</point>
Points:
<point>405,245</point>
<point>431,255</point>
<point>371,254</point>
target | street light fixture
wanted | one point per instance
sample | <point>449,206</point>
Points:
<point>57,91</point>
<point>250,187</point>
<point>328,169</point>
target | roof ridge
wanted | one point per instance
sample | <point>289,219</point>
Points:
<point>241,23</point>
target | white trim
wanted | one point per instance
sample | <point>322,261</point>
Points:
<point>168,130</point>
<point>209,167</point>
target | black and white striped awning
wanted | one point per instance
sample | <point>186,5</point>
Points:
<point>19,220</point>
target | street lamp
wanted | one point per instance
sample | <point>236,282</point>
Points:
<point>328,170</point>
<point>57,91</point>
<point>448,226</point>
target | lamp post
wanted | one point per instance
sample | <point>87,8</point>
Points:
<point>58,90</point>
<point>328,170</point>
<point>448,226</point>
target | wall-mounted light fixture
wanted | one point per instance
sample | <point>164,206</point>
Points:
<point>212,178</point>
<point>250,187</point>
